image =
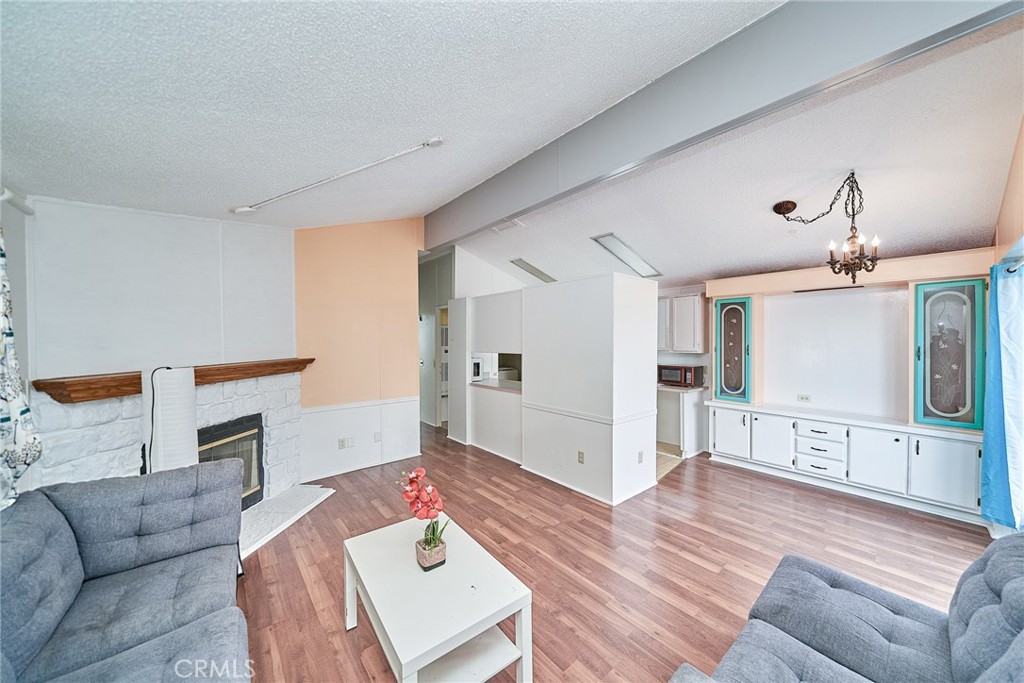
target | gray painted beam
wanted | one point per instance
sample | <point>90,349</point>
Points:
<point>797,51</point>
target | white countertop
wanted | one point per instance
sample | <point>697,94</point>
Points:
<point>510,385</point>
<point>850,419</point>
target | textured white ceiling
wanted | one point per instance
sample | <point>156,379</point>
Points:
<point>196,107</point>
<point>930,138</point>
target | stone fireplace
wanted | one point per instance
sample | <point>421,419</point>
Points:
<point>103,438</point>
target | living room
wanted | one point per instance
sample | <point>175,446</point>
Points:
<point>345,241</point>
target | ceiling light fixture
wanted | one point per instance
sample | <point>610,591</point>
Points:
<point>250,208</point>
<point>854,259</point>
<point>626,254</point>
<point>532,270</point>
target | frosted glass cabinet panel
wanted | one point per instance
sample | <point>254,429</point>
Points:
<point>732,349</point>
<point>949,353</point>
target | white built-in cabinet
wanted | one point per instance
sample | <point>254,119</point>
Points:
<point>730,432</point>
<point>932,469</point>
<point>682,324</point>
<point>688,318</point>
<point>772,440</point>
<point>664,318</point>
<point>945,471</point>
<point>878,459</point>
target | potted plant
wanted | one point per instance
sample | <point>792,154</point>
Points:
<point>425,503</point>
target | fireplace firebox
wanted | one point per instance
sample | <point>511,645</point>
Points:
<point>241,438</point>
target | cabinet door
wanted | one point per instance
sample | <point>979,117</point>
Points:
<point>663,324</point>
<point>688,324</point>
<point>771,440</point>
<point>945,471</point>
<point>732,349</point>
<point>949,347</point>
<point>732,432</point>
<point>878,459</point>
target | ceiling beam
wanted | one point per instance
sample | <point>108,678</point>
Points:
<point>801,49</point>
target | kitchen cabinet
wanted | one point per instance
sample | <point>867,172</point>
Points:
<point>772,440</point>
<point>688,314</point>
<point>878,459</point>
<point>731,434</point>
<point>732,349</point>
<point>949,347</point>
<point>664,316</point>
<point>945,471</point>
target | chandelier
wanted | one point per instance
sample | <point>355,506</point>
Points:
<point>853,258</point>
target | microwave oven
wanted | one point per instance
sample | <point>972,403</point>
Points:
<point>681,375</point>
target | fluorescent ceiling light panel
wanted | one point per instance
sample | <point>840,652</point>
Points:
<point>533,270</point>
<point>625,253</point>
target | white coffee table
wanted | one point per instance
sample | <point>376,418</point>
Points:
<point>439,625</point>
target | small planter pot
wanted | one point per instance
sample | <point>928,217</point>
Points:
<point>430,559</point>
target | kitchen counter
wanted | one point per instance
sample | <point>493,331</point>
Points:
<point>508,385</point>
<point>680,390</point>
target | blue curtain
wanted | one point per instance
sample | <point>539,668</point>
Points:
<point>1002,463</point>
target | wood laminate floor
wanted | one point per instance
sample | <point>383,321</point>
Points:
<point>626,593</point>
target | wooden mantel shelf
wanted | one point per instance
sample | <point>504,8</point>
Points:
<point>98,387</point>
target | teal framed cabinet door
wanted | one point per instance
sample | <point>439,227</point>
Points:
<point>732,349</point>
<point>949,353</point>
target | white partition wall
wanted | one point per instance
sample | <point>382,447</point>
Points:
<point>589,357</point>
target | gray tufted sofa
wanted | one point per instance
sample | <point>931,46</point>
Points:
<point>129,579</point>
<point>813,623</point>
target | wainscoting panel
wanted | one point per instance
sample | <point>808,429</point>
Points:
<point>368,433</point>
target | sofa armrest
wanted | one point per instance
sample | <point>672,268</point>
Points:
<point>122,523</point>
<point>688,673</point>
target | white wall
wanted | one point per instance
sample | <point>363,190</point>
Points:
<point>114,289</point>
<point>497,323</point>
<point>567,346</point>
<point>13,223</point>
<point>497,421</point>
<point>589,351</point>
<point>848,350</point>
<point>475,277</point>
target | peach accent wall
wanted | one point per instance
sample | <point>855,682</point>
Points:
<point>1010,226</point>
<point>356,310</point>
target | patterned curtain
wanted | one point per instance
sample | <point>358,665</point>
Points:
<point>19,442</point>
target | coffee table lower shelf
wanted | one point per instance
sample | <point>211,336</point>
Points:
<point>478,659</point>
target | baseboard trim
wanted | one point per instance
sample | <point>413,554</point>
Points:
<point>569,486</point>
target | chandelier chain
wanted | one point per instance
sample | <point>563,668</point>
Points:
<point>854,203</point>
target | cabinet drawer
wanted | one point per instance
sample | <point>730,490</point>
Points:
<point>821,449</point>
<point>821,430</point>
<point>834,469</point>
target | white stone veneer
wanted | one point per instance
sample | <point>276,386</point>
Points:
<point>96,439</point>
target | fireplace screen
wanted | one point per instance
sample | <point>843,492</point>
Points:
<point>241,438</point>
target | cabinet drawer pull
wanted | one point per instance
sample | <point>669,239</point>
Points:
<point>820,450</point>
<point>819,467</point>
<point>818,431</point>
<point>896,440</point>
<point>744,420</point>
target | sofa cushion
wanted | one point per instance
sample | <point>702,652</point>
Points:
<point>40,575</point>
<point>212,648</point>
<point>986,612</point>
<point>115,613</point>
<point>124,522</point>
<point>880,635</point>
<point>764,653</point>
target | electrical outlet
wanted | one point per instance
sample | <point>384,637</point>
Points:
<point>803,398</point>
<point>579,457</point>
<point>341,444</point>
<point>376,437</point>
<point>639,457</point>
<point>346,442</point>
